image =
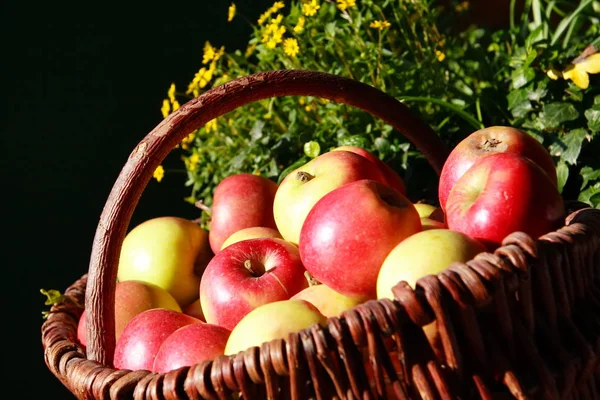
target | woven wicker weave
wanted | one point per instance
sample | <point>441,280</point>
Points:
<point>522,322</point>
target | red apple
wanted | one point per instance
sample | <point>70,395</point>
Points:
<point>195,310</point>
<point>248,274</point>
<point>240,201</point>
<point>487,141</point>
<point>143,336</point>
<point>190,345</point>
<point>303,187</point>
<point>131,298</point>
<point>349,232</point>
<point>501,194</point>
<point>390,176</point>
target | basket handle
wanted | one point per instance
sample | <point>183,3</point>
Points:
<point>154,148</point>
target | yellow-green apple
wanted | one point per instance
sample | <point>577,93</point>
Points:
<point>428,223</point>
<point>391,177</point>
<point>349,232</point>
<point>329,302</point>
<point>303,187</point>
<point>501,194</point>
<point>425,253</point>
<point>253,232</point>
<point>240,201</point>
<point>170,252</point>
<point>131,298</point>
<point>272,321</point>
<point>487,141</point>
<point>425,209</point>
<point>195,310</point>
<point>143,336</point>
<point>248,274</point>
<point>190,345</point>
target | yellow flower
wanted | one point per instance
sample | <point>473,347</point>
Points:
<point>209,53</point>
<point>300,25</point>
<point>440,55</point>
<point>462,6</point>
<point>187,141</point>
<point>176,105</point>
<point>273,32</point>
<point>171,93</point>
<point>290,47</point>
<point>166,108</point>
<point>273,9</point>
<point>159,173</point>
<point>192,161</point>
<point>278,5</point>
<point>231,12</point>
<point>310,7</point>
<point>268,116</point>
<point>554,74</point>
<point>381,25</point>
<point>578,70</point>
<point>211,125</point>
<point>343,5</point>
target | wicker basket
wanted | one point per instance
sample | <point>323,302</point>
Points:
<point>521,322</point>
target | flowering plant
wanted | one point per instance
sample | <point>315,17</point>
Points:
<point>536,75</point>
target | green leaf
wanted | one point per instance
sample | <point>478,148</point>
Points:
<point>312,149</point>
<point>522,76</point>
<point>562,174</point>
<point>588,174</point>
<point>591,196</point>
<point>569,146</point>
<point>592,115</point>
<point>554,114</point>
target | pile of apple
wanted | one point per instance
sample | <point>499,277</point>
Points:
<point>336,232</point>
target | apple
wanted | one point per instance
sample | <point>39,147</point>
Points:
<point>170,252</point>
<point>143,336</point>
<point>248,274</point>
<point>390,176</point>
<point>424,209</point>
<point>349,232</point>
<point>253,232</point>
<point>428,223</point>
<point>329,302</point>
<point>272,321</point>
<point>487,141</point>
<point>425,253</point>
<point>190,345</point>
<point>501,194</point>
<point>240,201</point>
<point>131,298</point>
<point>303,187</point>
<point>195,310</point>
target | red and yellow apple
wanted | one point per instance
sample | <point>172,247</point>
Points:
<point>303,187</point>
<point>253,232</point>
<point>329,302</point>
<point>170,252</point>
<point>349,232</point>
<point>488,141</point>
<point>248,274</point>
<point>501,194</point>
<point>240,201</point>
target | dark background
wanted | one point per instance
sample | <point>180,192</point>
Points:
<point>83,83</point>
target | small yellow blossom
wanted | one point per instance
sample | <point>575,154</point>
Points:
<point>299,28</point>
<point>175,105</point>
<point>171,92</point>
<point>191,162</point>
<point>310,7</point>
<point>290,47</point>
<point>462,6</point>
<point>209,53</point>
<point>268,116</point>
<point>166,108</point>
<point>578,70</point>
<point>273,32</point>
<point>301,101</point>
<point>381,25</point>
<point>231,12</point>
<point>343,5</point>
<point>554,74</point>
<point>272,10</point>
<point>159,173</point>
<point>440,55</point>
<point>187,141</point>
<point>211,125</point>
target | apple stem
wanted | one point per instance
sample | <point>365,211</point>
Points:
<point>200,204</point>
<point>304,176</point>
<point>490,143</point>
<point>248,266</point>
<point>311,279</point>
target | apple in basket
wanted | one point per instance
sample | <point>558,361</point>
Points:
<point>329,302</point>
<point>303,187</point>
<point>131,298</point>
<point>501,194</point>
<point>253,232</point>
<point>170,252</point>
<point>349,232</point>
<point>488,141</point>
<point>240,201</point>
<point>143,336</point>
<point>189,345</point>
<point>248,274</point>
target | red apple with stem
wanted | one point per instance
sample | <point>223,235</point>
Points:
<point>350,231</point>
<point>248,274</point>
<point>487,141</point>
<point>143,336</point>
<point>189,345</point>
<point>240,201</point>
<point>501,194</point>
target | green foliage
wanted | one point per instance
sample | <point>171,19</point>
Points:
<point>53,297</point>
<point>531,75</point>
